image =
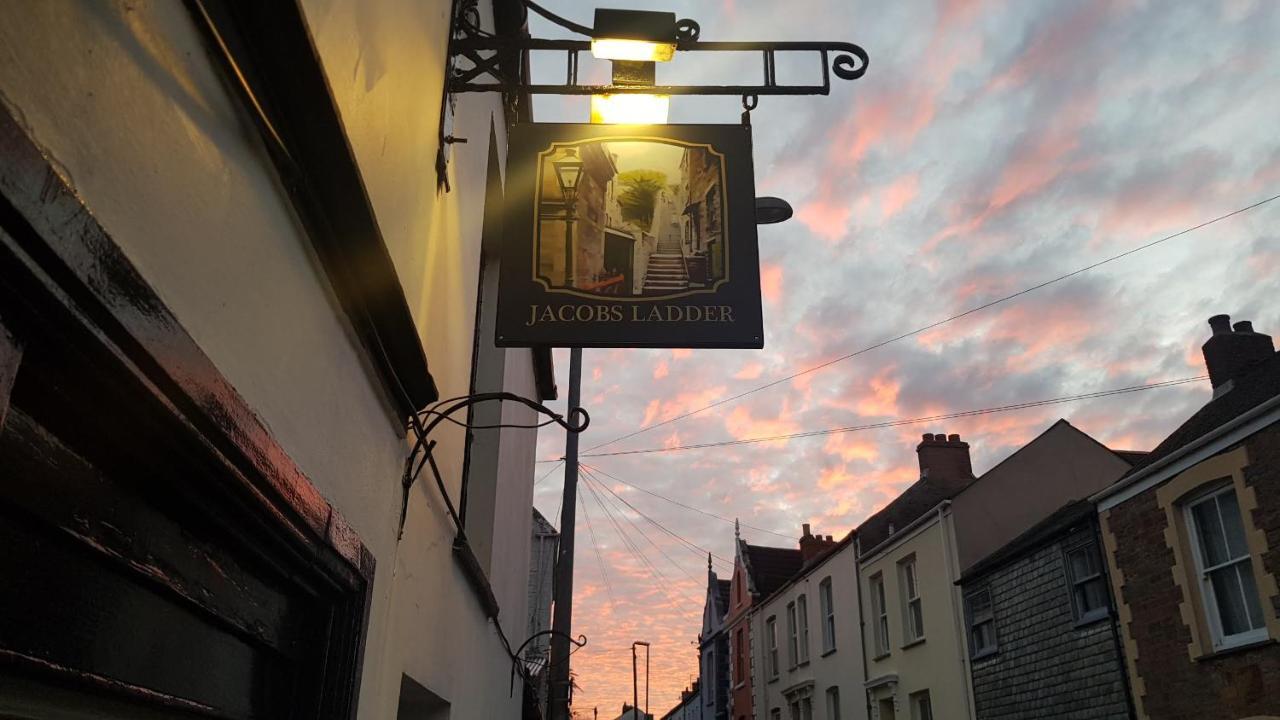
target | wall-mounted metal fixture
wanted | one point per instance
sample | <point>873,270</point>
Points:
<point>634,40</point>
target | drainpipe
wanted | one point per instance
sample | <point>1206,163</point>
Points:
<point>862,624</point>
<point>948,547</point>
<point>1113,596</point>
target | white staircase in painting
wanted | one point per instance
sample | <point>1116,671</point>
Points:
<point>666,272</point>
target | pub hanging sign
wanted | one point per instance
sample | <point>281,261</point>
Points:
<point>630,236</point>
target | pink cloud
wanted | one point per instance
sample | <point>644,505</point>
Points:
<point>898,195</point>
<point>771,281</point>
<point>661,370</point>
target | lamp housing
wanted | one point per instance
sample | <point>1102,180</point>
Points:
<point>636,35</point>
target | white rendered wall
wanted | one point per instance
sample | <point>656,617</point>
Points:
<point>123,98</point>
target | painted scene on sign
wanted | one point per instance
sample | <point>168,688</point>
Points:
<point>638,218</point>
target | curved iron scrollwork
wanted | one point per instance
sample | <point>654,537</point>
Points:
<point>421,454</point>
<point>578,644</point>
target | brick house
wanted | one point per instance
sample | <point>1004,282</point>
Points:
<point>1192,540</point>
<point>758,572</point>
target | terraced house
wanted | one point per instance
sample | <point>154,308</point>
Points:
<point>1192,543</point>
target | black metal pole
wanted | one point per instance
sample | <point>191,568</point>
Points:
<point>562,618</point>
<point>648,650</point>
<point>635,686</point>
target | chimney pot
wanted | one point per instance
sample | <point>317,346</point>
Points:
<point>944,459</point>
<point>953,438</point>
<point>1229,355</point>
<point>806,530</point>
<point>928,437</point>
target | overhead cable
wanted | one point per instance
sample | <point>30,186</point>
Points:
<point>909,421</point>
<point>930,326</point>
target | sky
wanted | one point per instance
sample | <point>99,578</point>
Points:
<point>990,147</point>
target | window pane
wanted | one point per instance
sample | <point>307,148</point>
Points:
<point>1093,595</point>
<point>980,604</point>
<point>1084,563</point>
<point>917,619</point>
<point>1230,599</point>
<point>1209,529</point>
<point>1232,526</point>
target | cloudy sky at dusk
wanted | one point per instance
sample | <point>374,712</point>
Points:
<point>990,147</point>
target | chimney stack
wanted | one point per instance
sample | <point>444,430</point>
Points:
<point>811,546</point>
<point>1231,352</point>
<point>944,457</point>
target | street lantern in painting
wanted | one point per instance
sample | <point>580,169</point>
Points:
<point>568,172</point>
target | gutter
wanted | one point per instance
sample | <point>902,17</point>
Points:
<point>909,528</point>
<point>1194,452</point>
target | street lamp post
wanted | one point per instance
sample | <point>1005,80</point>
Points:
<point>568,175</point>
<point>635,685</point>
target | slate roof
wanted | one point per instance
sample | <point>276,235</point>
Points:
<point>1248,391</point>
<point>915,501</point>
<point>1060,520</point>
<point>541,526</point>
<point>770,567</point>
<point>722,595</point>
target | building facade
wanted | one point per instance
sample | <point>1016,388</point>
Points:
<point>808,657</point>
<point>758,572</point>
<point>1043,641</point>
<point>1041,635</point>
<point>690,706</point>
<point>1192,543</point>
<point>912,640</point>
<point>713,648</point>
<point>224,232</point>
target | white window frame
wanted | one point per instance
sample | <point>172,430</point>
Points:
<point>826,602</point>
<point>976,619</point>
<point>1073,582</point>
<point>802,611</point>
<point>880,611</point>
<point>791,635</point>
<point>909,583</point>
<point>1221,641</point>
<point>771,637</point>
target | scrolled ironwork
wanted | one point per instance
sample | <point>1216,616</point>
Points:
<point>849,66</point>
<point>687,30</point>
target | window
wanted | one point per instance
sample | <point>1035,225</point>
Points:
<point>802,609</point>
<point>1088,587</point>
<point>828,608</point>
<point>771,640</point>
<point>775,714</point>
<point>912,612</point>
<point>921,708</point>
<point>791,635</point>
<point>740,657</point>
<point>802,709</point>
<point>881,614</point>
<point>833,703</point>
<point>1225,569</point>
<point>982,623</point>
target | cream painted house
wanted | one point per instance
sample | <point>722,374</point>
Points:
<point>808,656</point>
<point>913,642</point>
<point>225,233</point>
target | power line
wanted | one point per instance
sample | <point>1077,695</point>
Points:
<point>699,550</point>
<point>548,473</point>
<point>909,421</point>
<point>648,539</point>
<point>595,545</point>
<point>636,552</point>
<point>683,505</point>
<point>933,325</point>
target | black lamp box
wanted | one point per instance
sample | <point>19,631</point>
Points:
<point>630,236</point>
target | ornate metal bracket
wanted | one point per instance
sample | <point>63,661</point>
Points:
<point>483,61</point>
<point>846,61</point>
<point>579,643</point>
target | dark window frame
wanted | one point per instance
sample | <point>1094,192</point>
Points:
<point>971,622</point>
<point>1077,586</point>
